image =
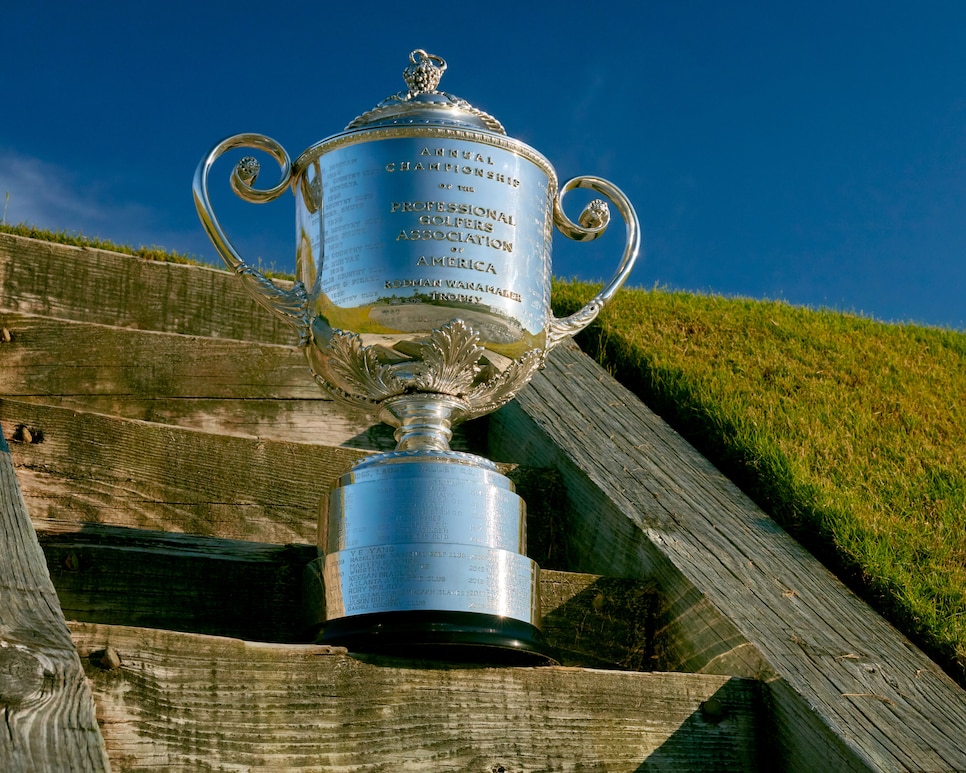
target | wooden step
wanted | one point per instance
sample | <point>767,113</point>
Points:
<point>738,597</point>
<point>90,285</point>
<point>219,385</point>
<point>184,702</point>
<point>90,467</point>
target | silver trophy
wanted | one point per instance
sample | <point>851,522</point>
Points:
<point>422,293</point>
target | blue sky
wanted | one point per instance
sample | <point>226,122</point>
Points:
<point>812,152</point>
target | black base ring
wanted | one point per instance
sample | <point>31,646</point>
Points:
<point>463,637</point>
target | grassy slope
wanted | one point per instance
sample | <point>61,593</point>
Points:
<point>77,240</point>
<point>850,432</point>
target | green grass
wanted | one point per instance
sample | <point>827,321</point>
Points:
<point>79,240</point>
<point>849,432</point>
<point>148,253</point>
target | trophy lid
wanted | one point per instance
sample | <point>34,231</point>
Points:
<point>423,105</point>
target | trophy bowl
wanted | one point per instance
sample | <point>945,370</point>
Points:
<point>422,292</point>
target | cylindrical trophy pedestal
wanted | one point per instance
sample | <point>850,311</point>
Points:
<point>424,554</point>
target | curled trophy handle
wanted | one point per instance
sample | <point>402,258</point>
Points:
<point>290,305</point>
<point>592,222</point>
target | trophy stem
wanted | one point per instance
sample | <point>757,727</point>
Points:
<point>424,422</point>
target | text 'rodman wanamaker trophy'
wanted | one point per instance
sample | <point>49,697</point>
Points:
<point>422,292</point>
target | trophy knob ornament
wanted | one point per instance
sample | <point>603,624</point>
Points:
<point>422,293</point>
<point>424,72</point>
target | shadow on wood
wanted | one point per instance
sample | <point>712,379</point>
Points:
<point>272,593</point>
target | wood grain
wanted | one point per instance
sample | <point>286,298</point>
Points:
<point>85,467</point>
<point>90,285</point>
<point>128,473</point>
<point>184,702</point>
<point>124,576</point>
<point>842,679</point>
<point>46,704</point>
<point>50,357</point>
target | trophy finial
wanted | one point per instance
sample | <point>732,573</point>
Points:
<point>423,74</point>
<point>422,104</point>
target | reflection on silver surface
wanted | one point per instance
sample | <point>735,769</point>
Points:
<point>407,530</point>
<point>422,213</point>
<point>438,576</point>
<point>423,248</point>
<point>424,511</point>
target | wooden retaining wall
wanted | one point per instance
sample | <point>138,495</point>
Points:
<point>169,446</point>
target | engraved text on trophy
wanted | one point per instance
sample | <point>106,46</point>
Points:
<point>412,234</point>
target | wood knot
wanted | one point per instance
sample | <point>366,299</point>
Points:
<point>5,336</point>
<point>713,710</point>
<point>25,434</point>
<point>20,675</point>
<point>107,659</point>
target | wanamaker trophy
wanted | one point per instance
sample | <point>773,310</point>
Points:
<point>422,293</point>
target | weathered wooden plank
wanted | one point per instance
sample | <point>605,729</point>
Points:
<point>97,468</point>
<point>317,422</point>
<point>38,277</point>
<point>47,707</point>
<point>216,385</point>
<point>47,356</point>
<point>847,689</point>
<point>692,634</point>
<point>605,622</point>
<point>254,591</point>
<point>185,702</point>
